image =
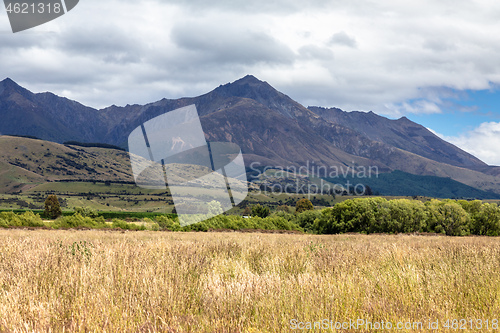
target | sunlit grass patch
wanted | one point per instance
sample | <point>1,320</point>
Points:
<point>100,280</point>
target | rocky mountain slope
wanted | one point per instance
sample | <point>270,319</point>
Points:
<point>270,127</point>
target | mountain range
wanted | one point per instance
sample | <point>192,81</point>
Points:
<point>271,128</point>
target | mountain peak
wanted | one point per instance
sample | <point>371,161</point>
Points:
<point>247,87</point>
<point>251,81</point>
<point>8,82</point>
<point>8,85</point>
<point>248,79</point>
<point>262,92</point>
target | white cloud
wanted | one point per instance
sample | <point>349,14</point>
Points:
<point>341,38</point>
<point>482,142</point>
<point>416,107</point>
<point>398,53</point>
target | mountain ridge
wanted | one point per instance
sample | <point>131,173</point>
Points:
<point>401,133</point>
<point>270,127</point>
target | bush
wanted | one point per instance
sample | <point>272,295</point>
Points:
<point>307,220</point>
<point>287,216</point>
<point>52,207</point>
<point>365,215</point>
<point>10,219</point>
<point>405,216</point>
<point>303,205</point>
<point>283,208</point>
<point>27,219</point>
<point>260,211</point>
<point>369,215</point>
<point>353,215</point>
<point>485,220</point>
<point>75,221</point>
<point>121,224</point>
<point>247,211</point>
<point>280,223</point>
<point>166,223</point>
<point>87,212</point>
<point>447,217</point>
<point>233,222</point>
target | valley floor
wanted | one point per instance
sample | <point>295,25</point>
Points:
<point>111,281</point>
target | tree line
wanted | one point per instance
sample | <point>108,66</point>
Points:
<point>360,215</point>
<point>378,215</point>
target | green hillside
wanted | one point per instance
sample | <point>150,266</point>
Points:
<point>26,163</point>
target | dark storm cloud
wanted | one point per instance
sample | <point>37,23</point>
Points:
<point>108,43</point>
<point>223,45</point>
<point>355,55</point>
<point>390,56</point>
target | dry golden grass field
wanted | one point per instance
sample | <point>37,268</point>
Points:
<point>108,281</point>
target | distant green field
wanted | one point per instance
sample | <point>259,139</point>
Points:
<point>85,187</point>
<point>128,199</point>
<point>108,215</point>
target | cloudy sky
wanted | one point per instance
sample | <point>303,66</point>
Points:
<point>436,62</point>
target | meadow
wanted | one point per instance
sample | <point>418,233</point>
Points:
<point>144,281</point>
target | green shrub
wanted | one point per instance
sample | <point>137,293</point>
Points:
<point>167,223</point>
<point>303,205</point>
<point>405,216</point>
<point>447,217</point>
<point>260,211</point>
<point>486,220</point>
<point>233,222</point>
<point>354,215</point>
<point>52,207</point>
<point>369,215</point>
<point>287,216</point>
<point>117,223</point>
<point>87,212</point>
<point>283,208</point>
<point>307,220</point>
<point>217,222</point>
<point>75,221</point>
<point>365,215</point>
<point>29,219</point>
<point>279,223</point>
<point>121,224</point>
<point>11,219</point>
